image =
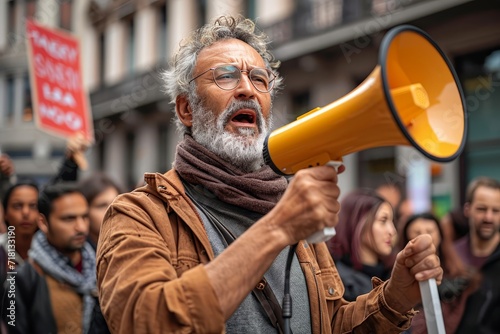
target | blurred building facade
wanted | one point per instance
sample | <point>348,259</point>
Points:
<point>327,47</point>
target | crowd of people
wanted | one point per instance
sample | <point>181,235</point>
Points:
<point>469,294</point>
<point>217,243</point>
<point>49,254</point>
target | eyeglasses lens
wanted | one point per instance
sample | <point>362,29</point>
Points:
<point>228,77</point>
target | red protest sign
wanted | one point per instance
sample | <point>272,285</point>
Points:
<point>60,102</point>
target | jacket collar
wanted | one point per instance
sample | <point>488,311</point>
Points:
<point>169,188</point>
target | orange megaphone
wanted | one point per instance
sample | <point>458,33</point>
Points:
<point>412,98</point>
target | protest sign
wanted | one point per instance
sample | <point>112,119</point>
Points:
<point>60,102</point>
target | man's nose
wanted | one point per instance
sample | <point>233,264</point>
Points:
<point>82,224</point>
<point>491,214</point>
<point>245,86</point>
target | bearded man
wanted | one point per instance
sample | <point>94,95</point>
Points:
<point>480,250</point>
<point>203,248</point>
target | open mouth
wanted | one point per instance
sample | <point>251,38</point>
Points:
<point>244,118</point>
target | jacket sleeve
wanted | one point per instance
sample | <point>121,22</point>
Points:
<point>139,288</point>
<point>369,312</point>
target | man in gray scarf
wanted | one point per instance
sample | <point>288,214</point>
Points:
<point>196,248</point>
<point>55,288</point>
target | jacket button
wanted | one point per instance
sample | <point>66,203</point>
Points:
<point>331,291</point>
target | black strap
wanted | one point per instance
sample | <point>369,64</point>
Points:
<point>262,291</point>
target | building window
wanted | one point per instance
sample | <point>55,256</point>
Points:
<point>12,22</point>
<point>301,103</point>
<point>27,104</point>
<point>162,33</point>
<point>251,9</point>
<point>378,166</point>
<point>202,11</point>
<point>130,161</point>
<point>65,9</point>
<point>102,57</point>
<point>480,78</point>
<point>30,9</point>
<point>357,9</point>
<point>130,46</point>
<point>325,14</point>
<point>163,157</point>
<point>10,83</point>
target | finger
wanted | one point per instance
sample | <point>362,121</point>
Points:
<point>322,173</point>
<point>429,263</point>
<point>436,273</point>
<point>422,243</point>
<point>420,256</point>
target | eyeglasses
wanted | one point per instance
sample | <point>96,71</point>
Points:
<point>227,77</point>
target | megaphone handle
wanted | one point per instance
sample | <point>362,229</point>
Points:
<point>328,232</point>
<point>432,307</point>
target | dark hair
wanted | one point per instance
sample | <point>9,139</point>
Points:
<point>95,184</point>
<point>8,193</point>
<point>423,215</point>
<point>52,192</point>
<point>428,216</point>
<point>450,261</point>
<point>357,212</point>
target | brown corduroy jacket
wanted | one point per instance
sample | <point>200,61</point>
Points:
<point>151,277</point>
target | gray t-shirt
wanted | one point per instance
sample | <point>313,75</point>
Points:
<point>250,317</point>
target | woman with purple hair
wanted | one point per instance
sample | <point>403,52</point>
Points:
<point>366,235</point>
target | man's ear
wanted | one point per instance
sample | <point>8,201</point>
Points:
<point>43,224</point>
<point>467,209</point>
<point>183,110</point>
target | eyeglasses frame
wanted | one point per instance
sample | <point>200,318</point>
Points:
<point>274,76</point>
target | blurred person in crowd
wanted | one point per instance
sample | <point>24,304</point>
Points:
<point>74,159</point>
<point>365,237</point>
<point>21,217</point>
<point>405,210</point>
<point>454,224</point>
<point>456,285</point>
<point>480,249</point>
<point>7,173</point>
<point>195,248</point>
<point>392,193</point>
<point>7,179</point>
<point>99,190</point>
<point>19,200</point>
<point>55,289</point>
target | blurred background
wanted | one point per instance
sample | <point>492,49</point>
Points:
<point>327,48</point>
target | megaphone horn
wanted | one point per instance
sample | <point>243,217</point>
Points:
<point>411,98</point>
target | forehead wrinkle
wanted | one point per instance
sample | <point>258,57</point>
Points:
<point>229,51</point>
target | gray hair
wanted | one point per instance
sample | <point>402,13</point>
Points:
<point>180,71</point>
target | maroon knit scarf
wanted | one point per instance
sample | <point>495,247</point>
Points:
<point>258,191</point>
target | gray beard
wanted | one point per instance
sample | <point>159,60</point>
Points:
<point>244,149</point>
